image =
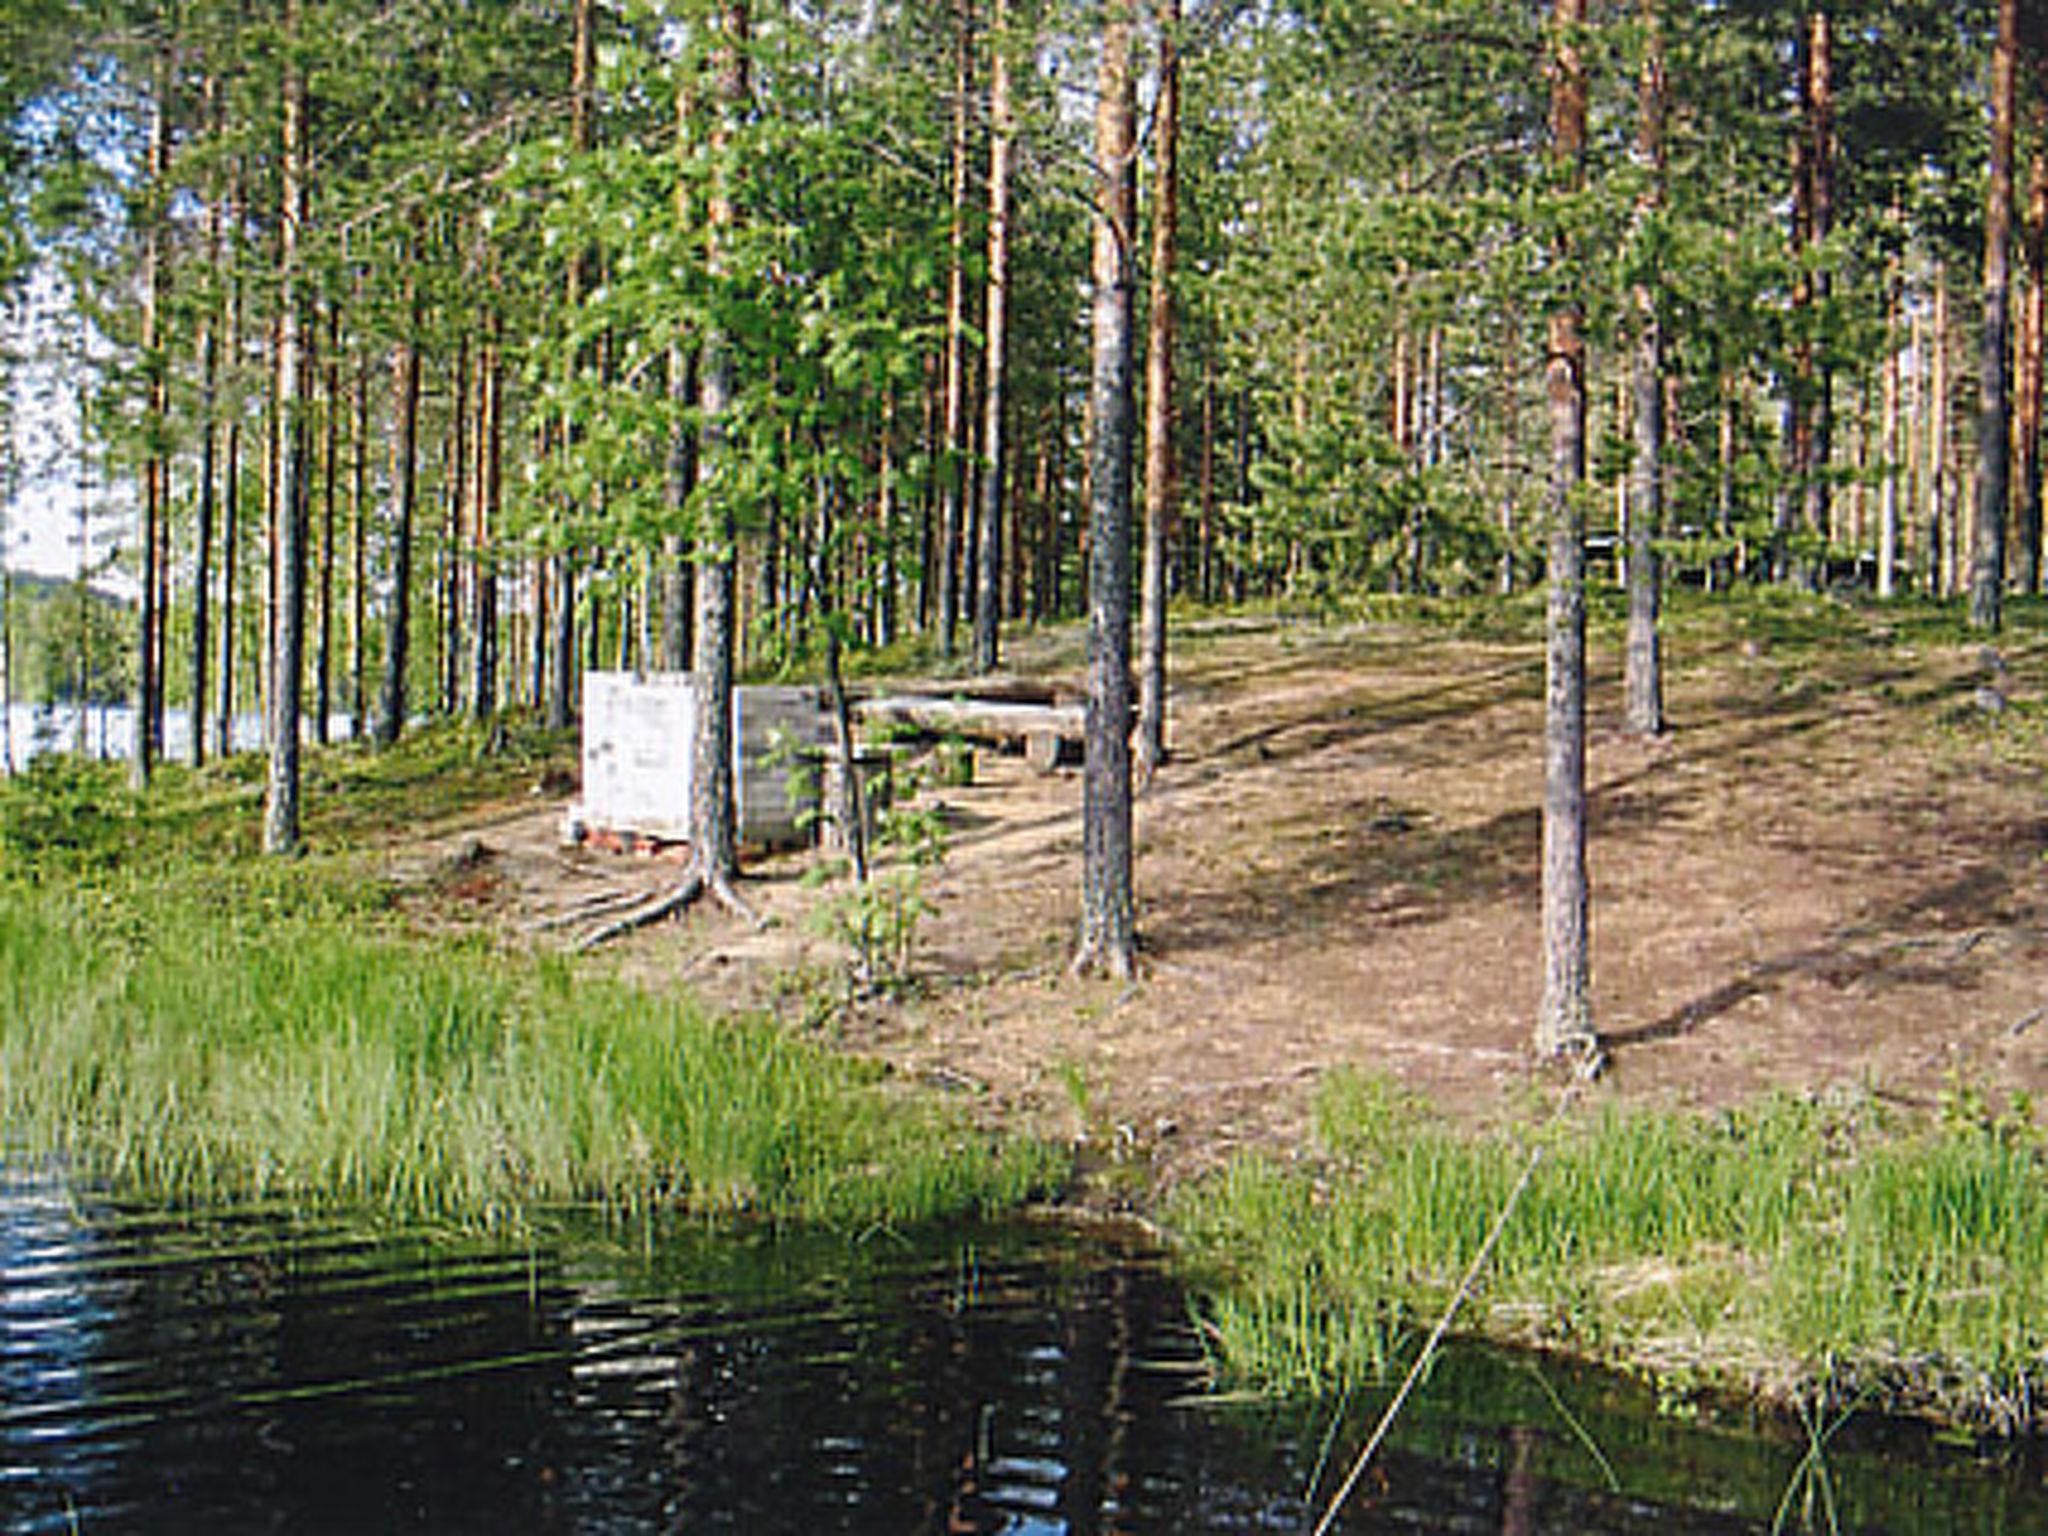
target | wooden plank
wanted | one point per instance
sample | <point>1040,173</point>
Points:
<point>994,722</point>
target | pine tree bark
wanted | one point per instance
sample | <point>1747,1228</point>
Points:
<point>405,379</point>
<point>1108,931</point>
<point>1888,489</point>
<point>209,437</point>
<point>287,668</point>
<point>147,740</point>
<point>1565,1022</point>
<point>988,602</point>
<point>1161,472</point>
<point>483,667</point>
<point>1940,505</point>
<point>713,805</point>
<point>231,506</point>
<point>1994,363</point>
<point>1644,667</point>
<point>952,469</point>
<point>330,470</point>
<point>2026,570</point>
<point>561,698</point>
<point>1817,487</point>
<point>359,555</point>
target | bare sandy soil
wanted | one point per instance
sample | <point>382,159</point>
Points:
<point>1832,873</point>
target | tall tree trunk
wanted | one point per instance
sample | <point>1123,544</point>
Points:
<point>561,705</point>
<point>1817,488</point>
<point>287,668</point>
<point>455,508</point>
<point>677,596</point>
<point>209,437</point>
<point>483,668</point>
<point>1161,472</point>
<point>1994,419</point>
<point>231,518</point>
<point>950,458</point>
<point>150,617</point>
<point>323,636</point>
<point>988,602</point>
<point>405,379</point>
<point>359,555</point>
<point>1940,505</point>
<point>1108,935</point>
<point>2026,568</point>
<point>1888,487</point>
<point>714,818</point>
<point>1645,667</point>
<point>1565,1022</point>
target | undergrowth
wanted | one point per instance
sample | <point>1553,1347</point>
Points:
<point>1760,1251</point>
<point>188,1020</point>
<point>264,1045</point>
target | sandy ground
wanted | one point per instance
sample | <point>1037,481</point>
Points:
<point>1832,873</point>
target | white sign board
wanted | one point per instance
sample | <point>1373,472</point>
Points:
<point>639,738</point>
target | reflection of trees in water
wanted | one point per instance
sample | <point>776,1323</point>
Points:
<point>245,1372</point>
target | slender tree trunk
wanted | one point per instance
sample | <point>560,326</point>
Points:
<point>209,437</point>
<point>1888,489</point>
<point>455,509</point>
<point>230,560</point>
<point>359,554</point>
<point>1994,419</point>
<point>1108,935</point>
<point>483,670</point>
<point>951,469</point>
<point>1161,472</point>
<point>323,638</point>
<point>1565,1022</point>
<point>1645,666</point>
<point>1939,506</point>
<point>149,610</point>
<point>2026,569</point>
<point>561,700</point>
<point>713,803</point>
<point>678,596</point>
<point>405,377</point>
<point>1820,130</point>
<point>287,669</point>
<point>988,603</point>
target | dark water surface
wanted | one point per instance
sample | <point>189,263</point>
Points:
<point>249,1372</point>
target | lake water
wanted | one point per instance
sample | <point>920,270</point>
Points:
<point>246,1371</point>
<point>108,731</point>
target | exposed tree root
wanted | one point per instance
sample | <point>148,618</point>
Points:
<point>734,903</point>
<point>695,884</point>
<point>666,904</point>
<point>599,904</point>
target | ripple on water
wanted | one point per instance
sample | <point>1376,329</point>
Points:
<point>248,1370</point>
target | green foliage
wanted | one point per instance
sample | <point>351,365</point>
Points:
<point>877,919</point>
<point>201,1043</point>
<point>1797,1236</point>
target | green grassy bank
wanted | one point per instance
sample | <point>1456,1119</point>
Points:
<point>1795,1250</point>
<point>207,1025</point>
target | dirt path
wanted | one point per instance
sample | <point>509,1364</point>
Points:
<point>1830,875</point>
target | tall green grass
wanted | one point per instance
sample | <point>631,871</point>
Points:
<point>1793,1244</point>
<point>246,1030</point>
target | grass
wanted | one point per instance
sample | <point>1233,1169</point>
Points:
<point>1766,1251</point>
<point>187,1020</point>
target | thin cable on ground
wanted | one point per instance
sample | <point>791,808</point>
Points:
<point>1585,1071</point>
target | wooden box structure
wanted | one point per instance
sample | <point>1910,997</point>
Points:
<point>639,748</point>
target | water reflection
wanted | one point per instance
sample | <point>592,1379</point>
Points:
<point>247,1371</point>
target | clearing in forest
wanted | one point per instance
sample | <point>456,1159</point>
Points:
<point>1827,877</point>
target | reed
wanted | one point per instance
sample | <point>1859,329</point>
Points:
<point>249,1031</point>
<point>1792,1244</point>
